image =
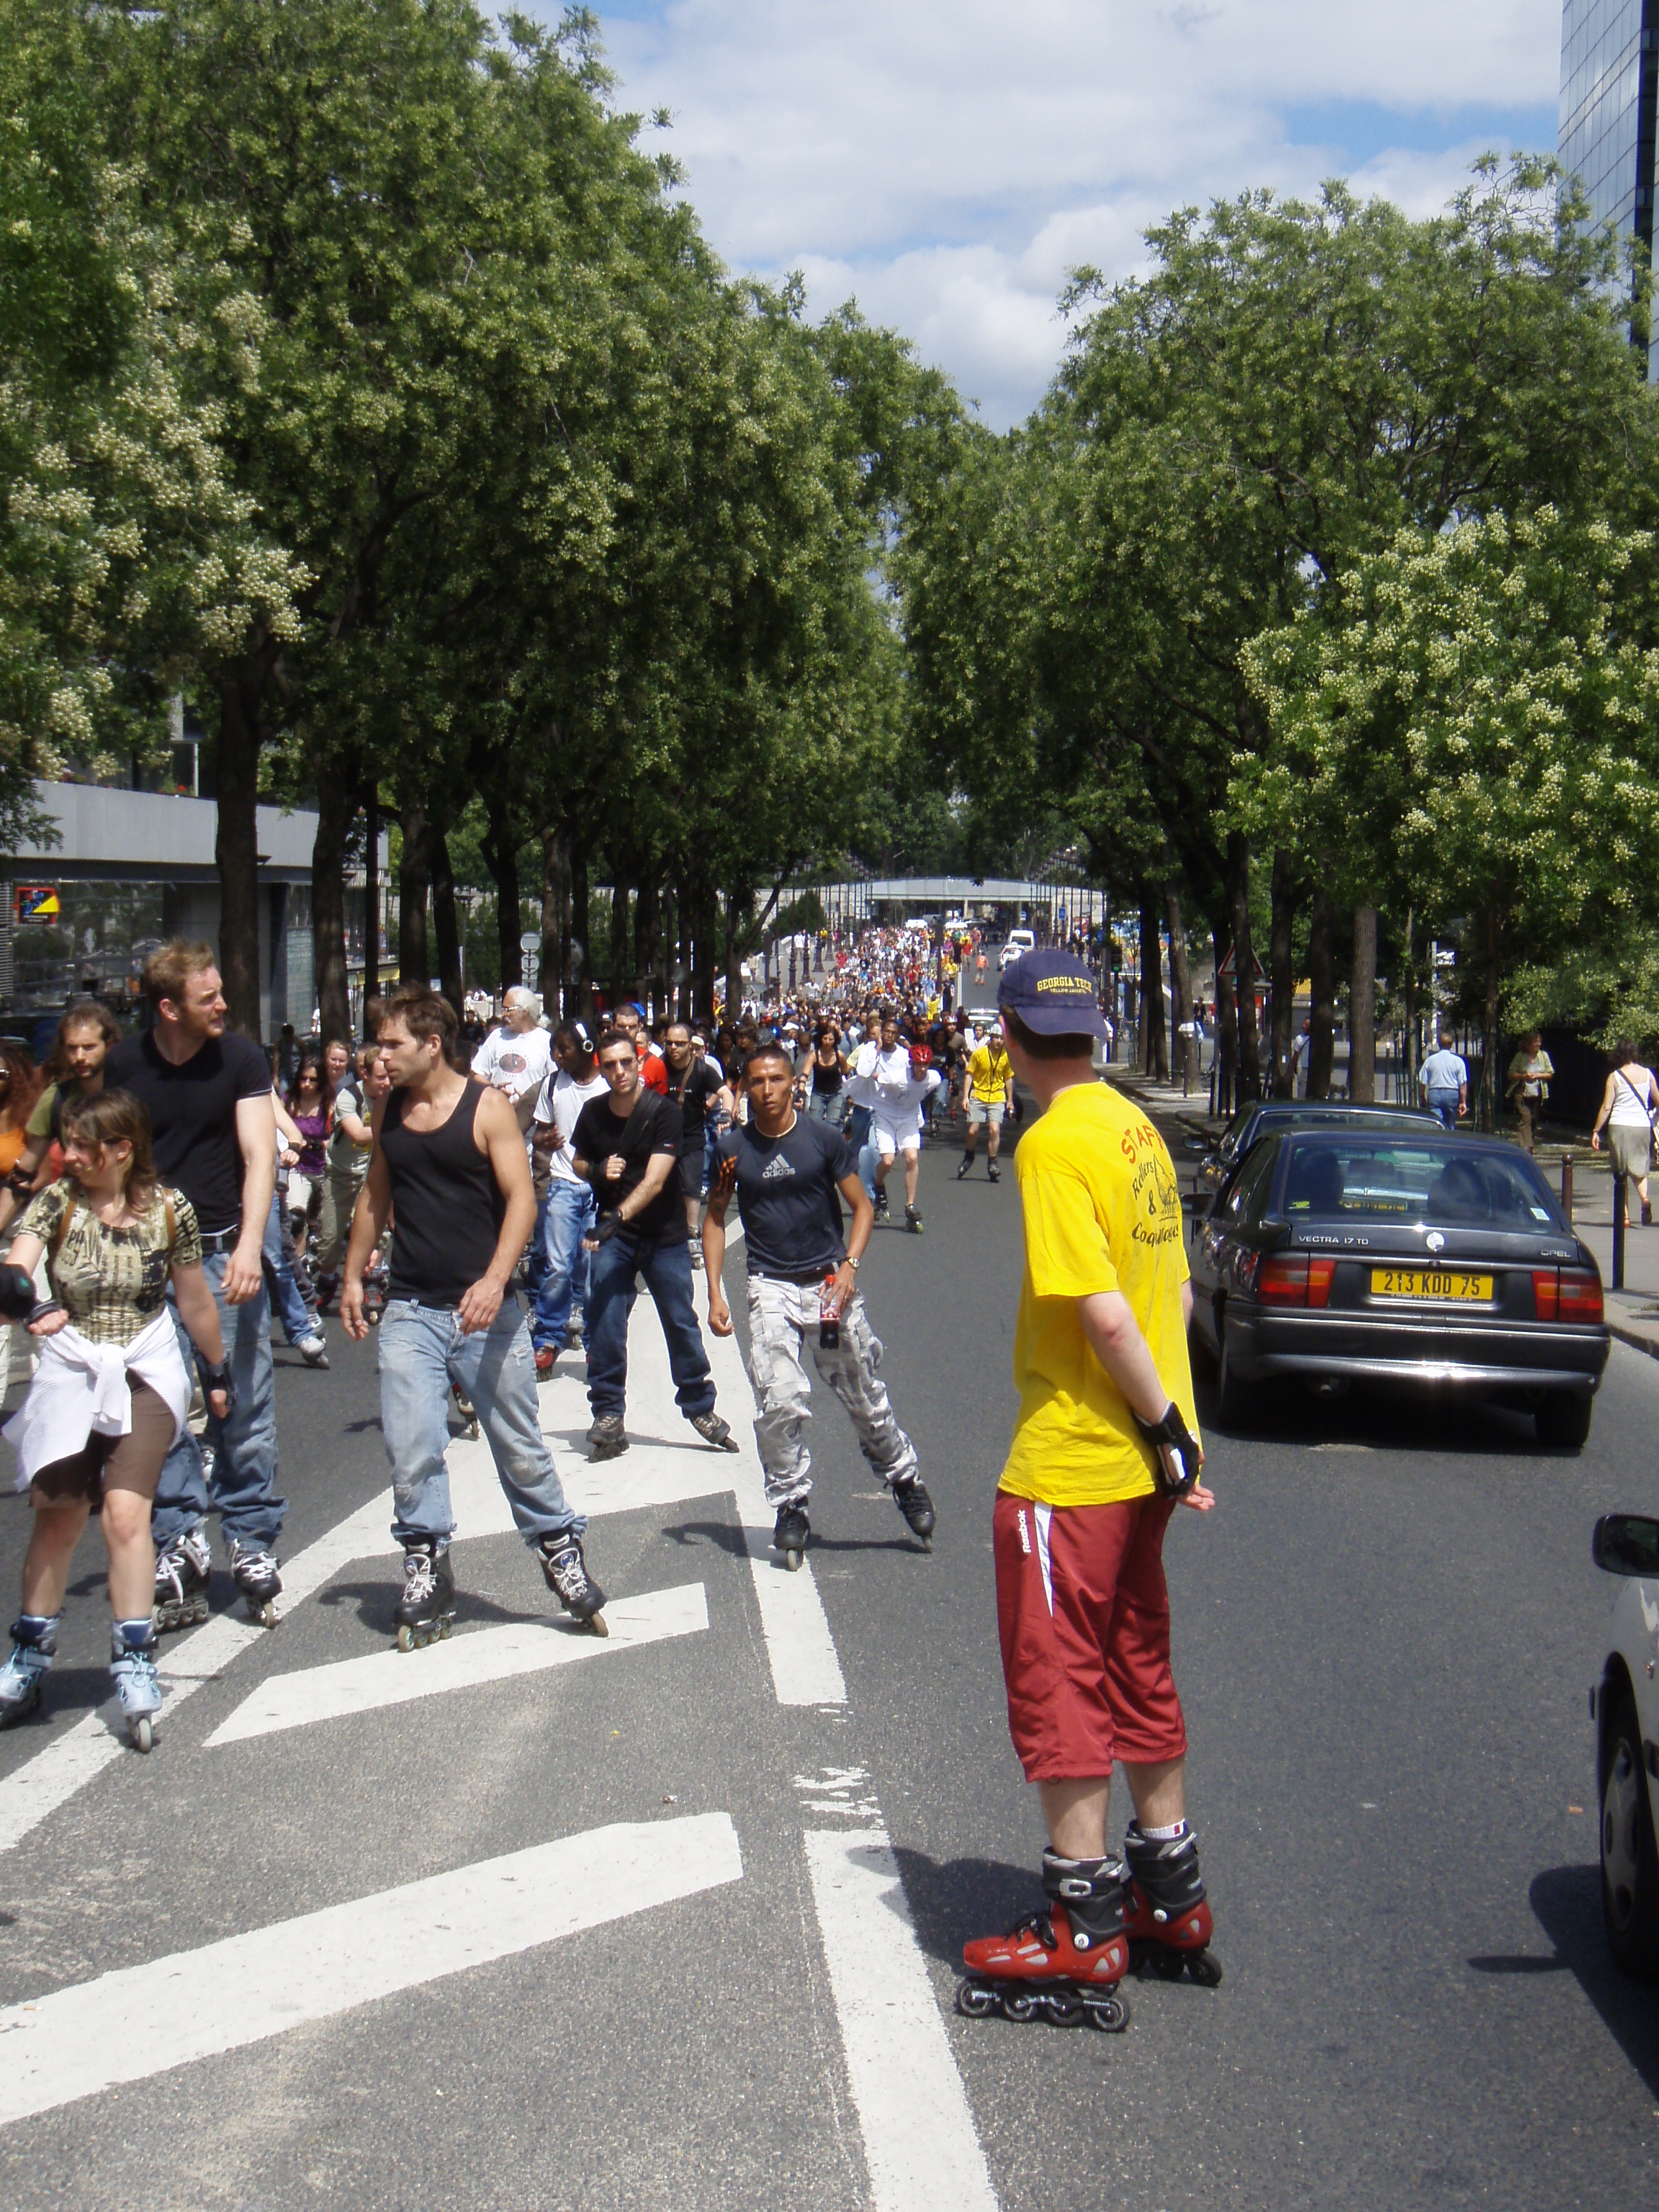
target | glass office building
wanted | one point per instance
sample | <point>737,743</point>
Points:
<point>1609,74</point>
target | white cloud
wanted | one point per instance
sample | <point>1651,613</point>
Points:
<point>947,161</point>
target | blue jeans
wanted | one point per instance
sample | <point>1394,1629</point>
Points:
<point>422,1351</point>
<point>667,1267</point>
<point>1443,1105</point>
<point>243,1486</point>
<point>567,1211</point>
<point>863,1151</point>
<point>292,1311</point>
<point>827,1106</point>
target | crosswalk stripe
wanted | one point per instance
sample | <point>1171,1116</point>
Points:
<point>920,2142</point>
<point>382,1678</point>
<point>142,2021</point>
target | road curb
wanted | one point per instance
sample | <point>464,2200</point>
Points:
<point>1635,1340</point>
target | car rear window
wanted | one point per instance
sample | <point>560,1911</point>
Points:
<point>1395,1180</point>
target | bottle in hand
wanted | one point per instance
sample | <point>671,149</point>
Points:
<point>829,1317</point>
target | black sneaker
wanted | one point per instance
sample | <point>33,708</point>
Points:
<point>608,1437</point>
<point>913,1502</point>
<point>567,1578</point>
<point>713,1431</point>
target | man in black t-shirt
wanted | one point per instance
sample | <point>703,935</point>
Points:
<point>214,1138</point>
<point>627,1147</point>
<point>692,1084</point>
<point>788,1174</point>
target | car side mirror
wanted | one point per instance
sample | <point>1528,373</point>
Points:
<point>1626,1544</point>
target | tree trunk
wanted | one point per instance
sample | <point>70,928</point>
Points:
<point>1238,914</point>
<point>236,849</point>
<point>1489,1073</point>
<point>1281,964</point>
<point>443,919</point>
<point>501,855</point>
<point>648,944</point>
<point>622,973</point>
<point>1226,1022</point>
<point>555,929</point>
<point>336,811</point>
<point>705,958</point>
<point>1180,990</point>
<point>1406,1086</point>
<point>1362,1008</point>
<point>579,964</point>
<point>738,906</point>
<point>371,900</point>
<point>684,995</point>
<point>1153,1060</point>
<point>1322,976</point>
<point>412,956</point>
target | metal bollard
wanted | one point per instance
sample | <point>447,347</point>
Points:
<point>1566,1187</point>
<point>1618,1232</point>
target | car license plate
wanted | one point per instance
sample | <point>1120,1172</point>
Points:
<point>1441,1283</point>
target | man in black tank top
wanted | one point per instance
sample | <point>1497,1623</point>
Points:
<point>449,1158</point>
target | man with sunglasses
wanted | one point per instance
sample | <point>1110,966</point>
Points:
<point>626,1148</point>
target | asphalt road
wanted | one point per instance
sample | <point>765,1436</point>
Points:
<point>1385,1633</point>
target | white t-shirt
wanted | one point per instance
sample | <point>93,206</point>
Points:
<point>512,1063</point>
<point>1630,1098</point>
<point>561,1101</point>
<point>889,1073</point>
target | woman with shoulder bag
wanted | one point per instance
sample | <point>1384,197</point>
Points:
<point>1628,1104</point>
<point>110,1394</point>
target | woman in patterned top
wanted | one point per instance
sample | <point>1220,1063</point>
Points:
<point>110,1394</point>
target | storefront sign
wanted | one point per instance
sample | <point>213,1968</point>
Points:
<point>38,902</point>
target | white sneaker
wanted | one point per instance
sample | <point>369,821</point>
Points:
<point>313,1350</point>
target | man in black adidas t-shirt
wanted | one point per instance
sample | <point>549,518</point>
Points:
<point>788,1174</point>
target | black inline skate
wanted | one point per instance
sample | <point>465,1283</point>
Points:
<point>568,1577</point>
<point>1062,1963</point>
<point>182,1568</point>
<point>1167,1917</point>
<point>426,1611</point>
<point>790,1533</point>
<point>913,1502</point>
<point>254,1572</point>
<point>913,1221</point>
<point>608,1437</point>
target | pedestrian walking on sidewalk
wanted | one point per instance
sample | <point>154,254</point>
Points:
<point>213,1126</point>
<point>627,1150</point>
<point>788,1172</point>
<point>1530,1072</point>
<point>1104,1448</point>
<point>1442,1083</point>
<point>1628,1107</point>
<point>449,1156</point>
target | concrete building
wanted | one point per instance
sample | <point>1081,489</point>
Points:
<point>1609,94</point>
<point>131,868</point>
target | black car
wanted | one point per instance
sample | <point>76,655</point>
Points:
<point>1408,1255</point>
<point>1252,1122</point>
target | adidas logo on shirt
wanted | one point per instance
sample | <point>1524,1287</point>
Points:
<point>776,1168</point>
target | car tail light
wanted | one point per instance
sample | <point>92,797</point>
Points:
<point>1566,1294</point>
<point>1292,1279</point>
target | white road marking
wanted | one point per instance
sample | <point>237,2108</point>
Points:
<point>920,2142</point>
<point>142,2020</point>
<point>459,1662</point>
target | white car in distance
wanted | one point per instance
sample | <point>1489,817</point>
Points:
<point>1020,941</point>
<point>1625,1706</point>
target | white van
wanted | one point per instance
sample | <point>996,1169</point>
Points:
<point>1020,941</point>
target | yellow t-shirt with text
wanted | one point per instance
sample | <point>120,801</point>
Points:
<point>1102,1213</point>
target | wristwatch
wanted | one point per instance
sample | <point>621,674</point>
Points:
<point>852,1263</point>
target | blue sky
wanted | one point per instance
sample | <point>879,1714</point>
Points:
<point>946,161</point>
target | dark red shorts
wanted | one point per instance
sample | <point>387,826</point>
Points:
<point>1083,1615</point>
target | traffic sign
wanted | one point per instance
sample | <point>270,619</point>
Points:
<point>531,941</point>
<point>1228,967</point>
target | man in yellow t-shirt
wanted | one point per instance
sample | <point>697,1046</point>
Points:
<point>988,1089</point>
<point>1104,1447</point>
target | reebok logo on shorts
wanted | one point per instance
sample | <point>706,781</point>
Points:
<point>1024,1534</point>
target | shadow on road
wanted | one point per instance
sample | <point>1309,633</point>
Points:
<point>955,1901</point>
<point>1403,1419</point>
<point>1567,1901</point>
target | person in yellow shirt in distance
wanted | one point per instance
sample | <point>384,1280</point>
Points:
<point>1104,1447</point>
<point>988,1089</point>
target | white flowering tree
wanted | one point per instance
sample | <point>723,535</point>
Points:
<point>128,557</point>
<point>1472,717</point>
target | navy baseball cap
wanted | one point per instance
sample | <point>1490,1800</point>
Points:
<point>1052,994</point>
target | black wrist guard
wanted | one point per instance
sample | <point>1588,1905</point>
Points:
<point>21,1181</point>
<point>1177,1456</point>
<point>16,1293</point>
<point>608,1228</point>
<point>43,1307</point>
<point>218,1378</point>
